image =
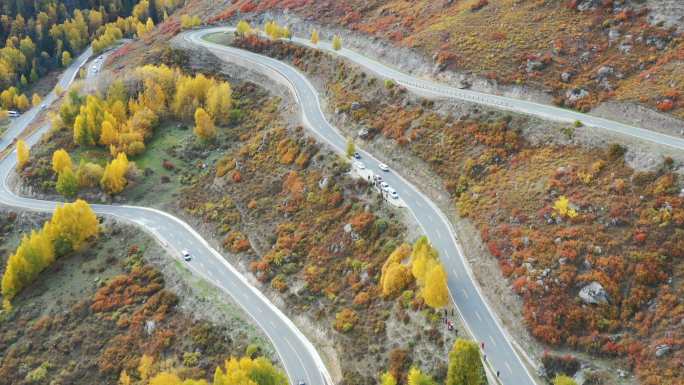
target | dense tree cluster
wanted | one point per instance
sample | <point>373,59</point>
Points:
<point>71,225</point>
<point>40,36</point>
<point>424,266</point>
<point>126,117</point>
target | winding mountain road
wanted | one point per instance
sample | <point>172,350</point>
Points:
<point>479,318</point>
<point>544,111</point>
<point>298,355</point>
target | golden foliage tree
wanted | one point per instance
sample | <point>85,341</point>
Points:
<point>435,291</point>
<point>219,102</point>
<point>69,227</point>
<point>35,100</point>
<point>61,160</point>
<point>337,43</point>
<point>243,28</point>
<point>394,275</point>
<point>74,223</point>
<point>22,154</point>
<point>204,125</point>
<point>388,379</point>
<point>314,37</point>
<point>114,177</point>
<point>562,207</point>
<point>465,365</point>
<point>416,377</point>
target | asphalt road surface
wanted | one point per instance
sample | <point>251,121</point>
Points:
<point>478,316</point>
<point>299,357</point>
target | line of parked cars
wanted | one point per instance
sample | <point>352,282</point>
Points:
<point>377,179</point>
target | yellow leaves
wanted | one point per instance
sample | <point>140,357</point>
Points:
<point>388,379</point>
<point>114,176</point>
<point>219,102</point>
<point>124,379</point>
<point>204,125</point>
<point>60,161</point>
<point>144,366</point>
<point>314,37</point>
<point>109,135</point>
<point>337,43</point>
<point>562,208</point>
<point>75,223</point>
<point>435,292</point>
<point>425,268</point>
<point>243,28</point>
<point>275,31</point>
<point>188,22</point>
<point>22,154</point>
<point>35,100</point>
<point>70,226</point>
<point>394,279</point>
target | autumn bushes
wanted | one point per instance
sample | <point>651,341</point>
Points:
<point>71,225</point>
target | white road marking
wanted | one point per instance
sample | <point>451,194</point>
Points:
<point>439,234</point>
<point>478,315</point>
<point>454,272</point>
<point>509,367</point>
<point>492,339</point>
<point>465,293</point>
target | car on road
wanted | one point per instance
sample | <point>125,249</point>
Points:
<point>377,178</point>
<point>384,186</point>
<point>359,165</point>
<point>43,106</point>
<point>300,382</point>
<point>383,167</point>
<point>13,114</point>
<point>357,155</point>
<point>186,255</point>
<point>393,193</point>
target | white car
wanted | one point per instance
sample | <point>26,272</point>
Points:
<point>393,193</point>
<point>383,167</point>
<point>384,186</point>
<point>43,106</point>
<point>186,255</point>
<point>360,165</point>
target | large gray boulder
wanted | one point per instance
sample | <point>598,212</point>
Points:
<point>593,294</point>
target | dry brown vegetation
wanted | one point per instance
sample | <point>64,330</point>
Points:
<point>69,329</point>
<point>627,234</point>
<point>609,50</point>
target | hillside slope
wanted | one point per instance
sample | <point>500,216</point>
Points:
<point>581,52</point>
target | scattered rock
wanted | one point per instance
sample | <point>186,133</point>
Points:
<point>576,94</point>
<point>586,5</point>
<point>662,350</point>
<point>323,183</point>
<point>593,293</point>
<point>566,76</point>
<point>605,72</point>
<point>348,228</point>
<point>150,326</point>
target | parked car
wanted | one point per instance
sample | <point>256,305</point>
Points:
<point>383,167</point>
<point>384,186</point>
<point>186,255</point>
<point>13,114</point>
<point>357,155</point>
<point>393,193</point>
<point>359,165</point>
